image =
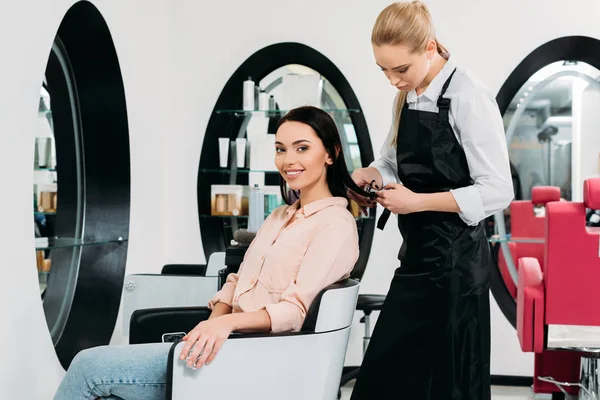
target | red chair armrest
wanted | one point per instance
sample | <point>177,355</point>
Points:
<point>530,305</point>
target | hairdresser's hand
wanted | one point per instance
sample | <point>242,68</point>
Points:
<point>363,177</point>
<point>399,200</point>
<point>208,337</point>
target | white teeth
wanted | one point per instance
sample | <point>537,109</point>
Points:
<point>293,172</point>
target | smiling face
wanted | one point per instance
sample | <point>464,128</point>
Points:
<point>301,157</point>
<point>406,70</point>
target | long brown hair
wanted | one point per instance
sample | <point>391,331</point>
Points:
<point>410,24</point>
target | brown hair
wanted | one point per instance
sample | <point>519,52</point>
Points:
<point>410,24</point>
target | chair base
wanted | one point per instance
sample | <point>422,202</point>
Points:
<point>590,377</point>
<point>589,384</point>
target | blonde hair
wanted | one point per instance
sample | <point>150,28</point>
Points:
<point>410,24</point>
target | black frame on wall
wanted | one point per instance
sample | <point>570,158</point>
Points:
<point>575,48</point>
<point>91,131</point>
<point>258,66</point>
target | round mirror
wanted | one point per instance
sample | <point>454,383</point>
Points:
<point>549,109</point>
<point>238,149</point>
<point>549,123</point>
<point>81,240</point>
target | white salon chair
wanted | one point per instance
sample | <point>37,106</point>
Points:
<point>177,286</point>
<point>294,366</point>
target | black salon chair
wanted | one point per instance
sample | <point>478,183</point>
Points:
<point>178,285</point>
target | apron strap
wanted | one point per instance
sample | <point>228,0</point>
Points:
<point>444,107</point>
<point>444,103</point>
<point>385,215</point>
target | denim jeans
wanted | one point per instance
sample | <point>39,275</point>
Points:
<point>128,372</point>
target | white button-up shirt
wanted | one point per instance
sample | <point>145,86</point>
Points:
<point>478,127</point>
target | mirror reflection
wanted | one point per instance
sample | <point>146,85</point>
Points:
<point>551,129</point>
<point>277,84</point>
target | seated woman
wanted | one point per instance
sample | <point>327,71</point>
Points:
<point>299,250</point>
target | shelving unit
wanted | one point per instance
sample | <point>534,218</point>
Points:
<point>45,175</point>
<point>232,175</point>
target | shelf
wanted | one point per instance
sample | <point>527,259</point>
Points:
<point>44,169</point>
<point>240,170</point>
<point>62,243</point>
<point>281,112</point>
<point>508,239</point>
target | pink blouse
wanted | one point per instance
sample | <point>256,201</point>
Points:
<point>286,267</point>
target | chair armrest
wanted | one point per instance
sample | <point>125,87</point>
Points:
<point>143,291</point>
<point>148,325</point>
<point>184,269</point>
<point>315,358</point>
<point>530,305</point>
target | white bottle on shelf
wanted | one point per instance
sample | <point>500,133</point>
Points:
<point>248,95</point>
<point>256,209</point>
<point>263,101</point>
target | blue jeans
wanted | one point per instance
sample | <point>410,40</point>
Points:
<point>128,372</point>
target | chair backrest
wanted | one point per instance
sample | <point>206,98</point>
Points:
<point>216,262</point>
<point>572,261</point>
<point>525,224</point>
<point>333,308</point>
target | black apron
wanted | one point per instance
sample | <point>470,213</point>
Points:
<point>432,338</point>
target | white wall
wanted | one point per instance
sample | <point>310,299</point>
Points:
<point>175,58</point>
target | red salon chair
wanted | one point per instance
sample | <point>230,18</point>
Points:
<point>558,305</point>
<point>527,240</point>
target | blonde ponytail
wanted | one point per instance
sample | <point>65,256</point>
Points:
<point>400,103</point>
<point>410,24</point>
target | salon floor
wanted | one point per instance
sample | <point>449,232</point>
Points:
<point>498,393</point>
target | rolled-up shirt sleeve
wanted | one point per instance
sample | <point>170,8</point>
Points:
<point>225,295</point>
<point>481,130</point>
<point>329,258</point>
<point>386,164</point>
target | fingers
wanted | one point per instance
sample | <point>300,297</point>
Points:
<point>359,177</point>
<point>196,352</point>
<point>215,350</point>
<point>208,348</point>
<point>189,342</point>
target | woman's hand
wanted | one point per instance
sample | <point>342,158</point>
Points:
<point>400,200</point>
<point>363,178</point>
<point>206,338</point>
